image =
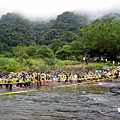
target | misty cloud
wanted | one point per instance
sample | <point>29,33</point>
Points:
<point>49,9</point>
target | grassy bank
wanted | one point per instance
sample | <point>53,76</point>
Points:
<point>14,65</point>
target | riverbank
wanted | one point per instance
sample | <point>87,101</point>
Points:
<point>16,65</point>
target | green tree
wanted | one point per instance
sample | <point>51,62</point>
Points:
<point>77,49</point>
<point>64,52</point>
<point>25,56</point>
<point>55,44</point>
<point>19,51</point>
<point>103,37</point>
<point>31,50</point>
<point>1,47</point>
<point>44,52</point>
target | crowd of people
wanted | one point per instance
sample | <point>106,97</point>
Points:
<point>40,78</point>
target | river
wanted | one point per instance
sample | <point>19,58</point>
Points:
<point>80,102</point>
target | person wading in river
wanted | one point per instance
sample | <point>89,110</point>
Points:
<point>38,79</point>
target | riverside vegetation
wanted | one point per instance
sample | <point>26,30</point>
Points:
<point>15,65</point>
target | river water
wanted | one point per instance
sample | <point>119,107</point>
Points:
<point>80,102</point>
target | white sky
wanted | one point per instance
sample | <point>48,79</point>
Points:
<point>52,8</point>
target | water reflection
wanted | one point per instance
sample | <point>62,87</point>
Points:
<point>83,102</point>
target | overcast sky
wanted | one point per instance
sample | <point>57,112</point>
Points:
<point>52,8</point>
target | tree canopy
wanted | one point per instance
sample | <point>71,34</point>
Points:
<point>103,37</point>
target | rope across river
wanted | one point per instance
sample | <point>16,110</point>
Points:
<point>51,83</point>
<point>18,80</point>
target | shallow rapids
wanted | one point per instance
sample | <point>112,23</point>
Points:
<point>80,102</point>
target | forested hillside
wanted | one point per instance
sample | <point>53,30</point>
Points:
<point>68,35</point>
<point>15,30</point>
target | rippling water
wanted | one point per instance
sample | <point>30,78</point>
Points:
<point>82,102</point>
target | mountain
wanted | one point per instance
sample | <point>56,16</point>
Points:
<point>116,16</point>
<point>16,30</point>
